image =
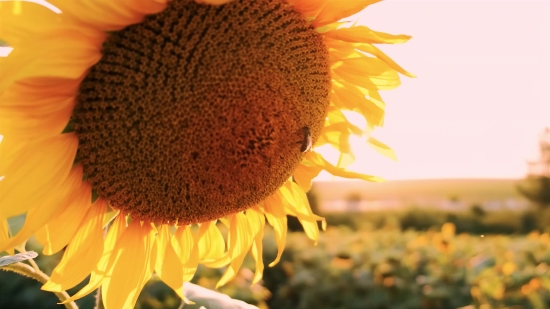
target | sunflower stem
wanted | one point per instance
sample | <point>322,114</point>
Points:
<point>33,264</point>
<point>182,304</point>
<point>28,271</point>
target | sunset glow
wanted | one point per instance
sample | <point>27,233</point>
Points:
<point>482,94</point>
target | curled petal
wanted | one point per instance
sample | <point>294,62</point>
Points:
<point>184,243</point>
<point>276,216</point>
<point>337,9</point>
<point>324,164</point>
<point>54,204</point>
<point>63,54</point>
<point>211,244</point>
<point>168,265</point>
<point>257,224</point>
<point>363,34</point>
<point>103,269</point>
<point>109,15</point>
<point>30,179</point>
<point>135,260</point>
<point>59,231</point>
<point>240,240</point>
<point>82,253</point>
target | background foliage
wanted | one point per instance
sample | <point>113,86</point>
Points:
<point>400,259</point>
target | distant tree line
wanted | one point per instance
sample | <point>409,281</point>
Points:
<point>536,186</point>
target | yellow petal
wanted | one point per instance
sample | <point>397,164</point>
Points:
<point>246,230</point>
<point>335,116</point>
<point>240,240</point>
<point>33,18</point>
<point>225,221</point>
<point>256,220</point>
<point>367,72</point>
<point>298,206</point>
<point>17,7</point>
<point>348,96</point>
<point>341,50</point>
<point>55,235</point>
<point>382,148</point>
<point>168,265</point>
<point>211,244</point>
<point>33,170</point>
<point>110,214</point>
<point>293,199</point>
<point>338,9</point>
<point>337,135</point>
<point>52,206</point>
<point>82,253</point>
<point>374,97</point>
<point>134,265</point>
<point>104,268</point>
<point>25,116</point>
<point>324,164</point>
<point>305,173</point>
<point>240,235</point>
<point>257,254</point>
<point>60,54</point>
<point>373,50</point>
<point>184,244</point>
<point>107,14</point>
<point>28,92</point>
<point>309,8</point>
<point>257,223</point>
<point>330,27</point>
<point>276,216</point>
<point>363,34</point>
<point>231,271</point>
<point>5,234</point>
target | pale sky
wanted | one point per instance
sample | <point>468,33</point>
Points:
<point>482,94</point>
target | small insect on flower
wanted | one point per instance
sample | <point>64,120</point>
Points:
<point>307,142</point>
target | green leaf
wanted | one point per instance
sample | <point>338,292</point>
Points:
<point>208,299</point>
<point>19,257</point>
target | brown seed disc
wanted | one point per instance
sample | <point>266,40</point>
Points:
<point>198,112</point>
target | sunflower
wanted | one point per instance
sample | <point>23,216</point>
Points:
<point>134,129</point>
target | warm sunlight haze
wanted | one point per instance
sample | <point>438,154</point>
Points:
<point>162,154</point>
<point>481,95</point>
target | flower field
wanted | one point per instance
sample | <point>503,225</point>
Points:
<point>393,269</point>
<point>383,268</point>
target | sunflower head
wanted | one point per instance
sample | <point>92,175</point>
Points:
<point>168,118</point>
<point>196,113</point>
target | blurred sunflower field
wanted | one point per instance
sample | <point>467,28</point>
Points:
<point>389,268</point>
<point>362,269</point>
